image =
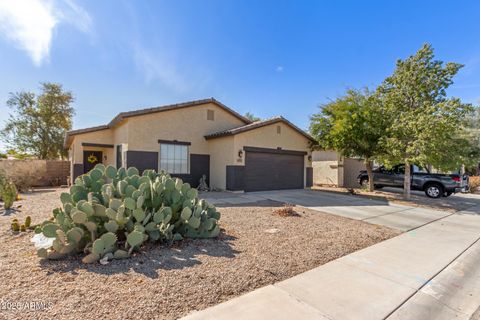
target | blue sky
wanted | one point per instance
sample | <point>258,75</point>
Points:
<point>266,57</point>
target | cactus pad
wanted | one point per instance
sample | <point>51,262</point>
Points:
<point>111,226</point>
<point>135,238</point>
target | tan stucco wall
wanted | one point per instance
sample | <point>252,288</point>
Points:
<point>327,169</point>
<point>267,137</point>
<point>186,124</point>
<point>141,133</point>
<point>325,155</point>
<point>75,152</point>
<point>102,136</point>
<point>330,168</point>
<point>120,132</point>
<point>221,155</point>
<point>325,173</point>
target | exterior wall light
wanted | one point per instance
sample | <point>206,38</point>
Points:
<point>240,153</point>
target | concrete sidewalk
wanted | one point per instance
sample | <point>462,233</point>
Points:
<point>427,273</point>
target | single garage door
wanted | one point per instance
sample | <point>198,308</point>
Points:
<point>272,169</point>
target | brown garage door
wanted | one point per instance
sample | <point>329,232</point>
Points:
<point>272,169</point>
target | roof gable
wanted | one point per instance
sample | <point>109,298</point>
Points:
<point>256,125</point>
<point>123,115</point>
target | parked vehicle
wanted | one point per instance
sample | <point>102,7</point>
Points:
<point>435,185</point>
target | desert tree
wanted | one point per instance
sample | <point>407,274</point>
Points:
<point>353,125</point>
<point>38,123</point>
<point>426,127</point>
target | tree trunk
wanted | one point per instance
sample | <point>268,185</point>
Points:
<point>462,169</point>
<point>407,181</point>
<point>430,168</point>
<point>369,165</point>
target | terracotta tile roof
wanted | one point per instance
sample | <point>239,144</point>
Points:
<point>255,125</point>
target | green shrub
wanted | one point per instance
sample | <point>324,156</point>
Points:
<point>108,213</point>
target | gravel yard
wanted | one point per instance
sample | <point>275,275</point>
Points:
<point>256,248</point>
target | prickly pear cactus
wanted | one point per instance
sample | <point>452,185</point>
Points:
<point>107,204</point>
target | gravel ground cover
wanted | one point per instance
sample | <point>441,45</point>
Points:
<point>256,248</point>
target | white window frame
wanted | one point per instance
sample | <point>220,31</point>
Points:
<point>174,159</point>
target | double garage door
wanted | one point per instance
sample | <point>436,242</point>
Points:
<point>271,169</point>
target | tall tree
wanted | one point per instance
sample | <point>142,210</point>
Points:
<point>352,125</point>
<point>472,134</point>
<point>38,123</point>
<point>425,125</point>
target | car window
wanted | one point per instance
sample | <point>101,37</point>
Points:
<point>382,169</point>
<point>418,169</point>
<point>400,169</point>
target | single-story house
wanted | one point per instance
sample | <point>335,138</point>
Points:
<point>196,138</point>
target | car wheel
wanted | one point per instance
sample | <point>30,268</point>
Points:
<point>434,190</point>
<point>364,183</point>
<point>447,194</point>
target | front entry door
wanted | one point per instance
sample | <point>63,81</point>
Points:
<point>90,160</point>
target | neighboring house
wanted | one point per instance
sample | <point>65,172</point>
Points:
<point>195,138</point>
<point>331,169</point>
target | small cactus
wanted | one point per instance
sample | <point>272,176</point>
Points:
<point>15,226</point>
<point>23,228</point>
<point>28,221</point>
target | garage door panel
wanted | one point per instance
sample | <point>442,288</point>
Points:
<point>269,171</point>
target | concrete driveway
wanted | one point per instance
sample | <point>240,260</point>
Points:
<point>429,272</point>
<point>376,211</point>
<point>459,201</point>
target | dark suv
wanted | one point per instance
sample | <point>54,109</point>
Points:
<point>435,185</point>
